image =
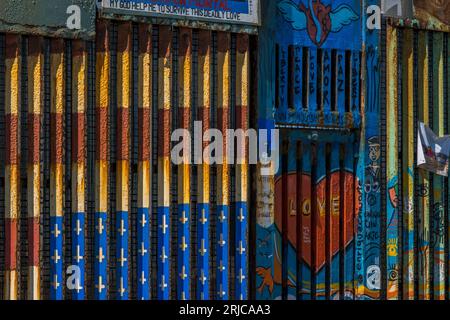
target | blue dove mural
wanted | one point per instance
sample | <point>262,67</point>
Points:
<point>318,19</point>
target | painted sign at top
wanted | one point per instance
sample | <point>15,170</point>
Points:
<point>217,11</point>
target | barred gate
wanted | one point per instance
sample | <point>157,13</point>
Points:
<point>306,241</point>
<point>87,180</point>
<point>416,203</point>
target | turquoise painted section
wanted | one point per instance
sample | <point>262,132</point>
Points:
<point>368,238</point>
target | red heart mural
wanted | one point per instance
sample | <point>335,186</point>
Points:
<point>305,207</point>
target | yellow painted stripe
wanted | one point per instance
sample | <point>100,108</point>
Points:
<point>79,103</point>
<point>408,159</point>
<point>12,200</point>
<point>204,102</point>
<point>145,103</point>
<point>34,283</point>
<point>163,182</point>
<point>223,102</point>
<point>57,87</point>
<point>242,83</point>
<point>79,83</point>
<point>164,105</point>
<point>124,103</point>
<point>102,104</point>
<point>12,192</point>
<point>184,87</point>
<point>122,185</point>
<point>11,285</point>
<point>438,128</point>
<point>78,187</point>
<point>144,184</point>
<point>424,202</point>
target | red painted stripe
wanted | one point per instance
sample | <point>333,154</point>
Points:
<point>124,39</point>
<point>57,46</point>
<point>123,129</point>
<point>12,156</point>
<point>184,48</point>
<point>12,45</point>
<point>102,36</point>
<point>11,244</point>
<point>184,117</point>
<point>78,143</point>
<point>204,40</point>
<point>34,46</point>
<point>145,43</point>
<point>102,133</point>
<point>144,135</point>
<point>78,48</point>
<point>241,117</point>
<point>205,116</point>
<point>57,134</point>
<point>242,44</point>
<point>165,40</point>
<point>34,138</point>
<point>223,41</point>
<point>223,122</point>
<point>164,133</point>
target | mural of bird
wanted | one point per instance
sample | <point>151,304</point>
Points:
<point>318,19</point>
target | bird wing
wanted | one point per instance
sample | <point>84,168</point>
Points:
<point>342,16</point>
<point>292,14</point>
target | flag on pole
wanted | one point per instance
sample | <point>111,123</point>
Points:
<point>432,151</point>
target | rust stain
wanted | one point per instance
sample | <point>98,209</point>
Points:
<point>223,42</point>
<point>145,44</point>
<point>78,48</point>
<point>102,36</point>
<point>12,45</point>
<point>165,42</point>
<point>57,46</point>
<point>124,39</point>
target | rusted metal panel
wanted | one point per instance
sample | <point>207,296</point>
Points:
<point>48,18</point>
<point>420,14</point>
<point>416,243</point>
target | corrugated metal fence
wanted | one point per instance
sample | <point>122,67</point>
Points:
<point>415,202</point>
<point>87,183</point>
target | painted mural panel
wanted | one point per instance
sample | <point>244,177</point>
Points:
<point>321,23</point>
<point>318,65</point>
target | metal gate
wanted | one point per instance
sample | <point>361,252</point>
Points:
<point>88,188</point>
<point>416,240</point>
<point>308,250</point>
